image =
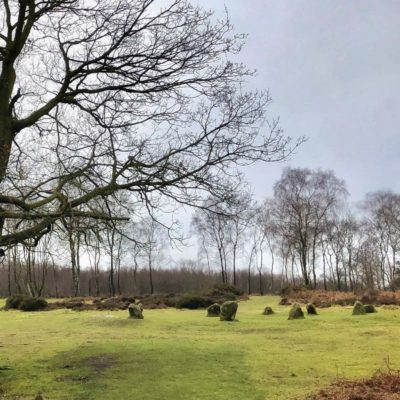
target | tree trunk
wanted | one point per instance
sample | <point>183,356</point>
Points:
<point>234,264</point>
<point>74,267</point>
<point>151,273</point>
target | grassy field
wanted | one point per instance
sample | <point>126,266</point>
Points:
<point>183,355</point>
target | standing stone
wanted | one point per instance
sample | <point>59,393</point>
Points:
<point>214,310</point>
<point>228,311</point>
<point>268,311</point>
<point>285,302</point>
<point>311,309</point>
<point>358,308</point>
<point>135,311</point>
<point>369,308</point>
<point>296,312</point>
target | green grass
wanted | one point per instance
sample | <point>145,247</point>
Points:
<point>183,355</point>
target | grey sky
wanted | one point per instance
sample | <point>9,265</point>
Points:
<point>333,70</point>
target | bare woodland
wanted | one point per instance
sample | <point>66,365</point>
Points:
<point>115,114</point>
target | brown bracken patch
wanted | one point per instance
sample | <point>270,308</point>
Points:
<point>382,386</point>
<point>321,298</point>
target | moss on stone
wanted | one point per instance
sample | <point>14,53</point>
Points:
<point>296,312</point>
<point>135,311</point>
<point>214,310</point>
<point>358,308</point>
<point>268,311</point>
<point>228,311</point>
<point>369,308</point>
<point>311,309</point>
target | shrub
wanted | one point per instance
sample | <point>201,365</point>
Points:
<point>25,303</point>
<point>225,290</point>
<point>370,296</point>
<point>296,312</point>
<point>358,308</point>
<point>33,304</point>
<point>388,298</point>
<point>228,311</point>
<point>14,302</point>
<point>369,308</point>
<point>311,309</point>
<point>193,302</point>
<point>268,311</point>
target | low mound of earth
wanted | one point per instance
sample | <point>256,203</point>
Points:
<point>382,386</point>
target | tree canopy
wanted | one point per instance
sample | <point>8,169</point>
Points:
<point>134,95</point>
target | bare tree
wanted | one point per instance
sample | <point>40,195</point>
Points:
<point>100,96</point>
<point>211,224</point>
<point>303,200</point>
<point>153,236</point>
<point>241,211</point>
<point>383,225</point>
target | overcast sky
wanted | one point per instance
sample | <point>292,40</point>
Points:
<point>333,71</point>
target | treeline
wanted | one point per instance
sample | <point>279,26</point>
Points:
<point>307,230</point>
<point>306,234</point>
<point>55,281</point>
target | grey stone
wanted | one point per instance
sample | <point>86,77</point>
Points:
<point>228,311</point>
<point>135,311</point>
<point>214,310</point>
<point>296,312</point>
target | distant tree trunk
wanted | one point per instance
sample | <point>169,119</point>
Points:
<point>8,276</point>
<point>313,261</point>
<point>324,268</point>
<point>338,277</point>
<point>74,263</point>
<point>249,268</point>
<point>225,266</point>
<point>272,270</point>
<point>55,278</point>
<point>118,259</point>
<point>111,278</point>
<point>151,273</point>
<point>303,264</point>
<point>221,259</point>
<point>351,278</point>
<point>260,268</point>
<point>90,282</point>
<point>135,270</point>
<point>292,268</point>
<point>28,272</point>
<point>234,263</point>
<point>249,279</point>
<point>42,278</point>
<point>96,269</point>
<point>111,274</point>
<point>16,265</point>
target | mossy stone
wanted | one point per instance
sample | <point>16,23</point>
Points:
<point>268,311</point>
<point>214,310</point>
<point>369,308</point>
<point>296,312</point>
<point>228,311</point>
<point>135,311</point>
<point>358,308</point>
<point>311,309</point>
<point>285,302</point>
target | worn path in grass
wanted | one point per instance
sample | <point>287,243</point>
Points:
<point>183,355</point>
